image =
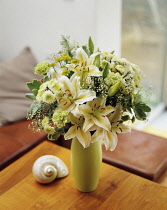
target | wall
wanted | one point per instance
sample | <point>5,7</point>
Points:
<point>40,24</point>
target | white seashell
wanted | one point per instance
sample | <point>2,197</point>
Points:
<point>49,167</point>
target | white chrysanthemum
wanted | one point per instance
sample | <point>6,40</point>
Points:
<point>53,85</point>
<point>48,97</point>
<point>39,96</point>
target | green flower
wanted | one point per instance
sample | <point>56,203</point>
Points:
<point>45,121</point>
<point>65,71</point>
<point>60,118</point>
<point>42,68</point>
<point>48,129</point>
<point>113,78</point>
<point>63,57</point>
<point>74,61</point>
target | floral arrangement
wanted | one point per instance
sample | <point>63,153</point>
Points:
<point>86,94</point>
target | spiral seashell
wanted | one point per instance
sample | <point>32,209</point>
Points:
<point>49,167</point>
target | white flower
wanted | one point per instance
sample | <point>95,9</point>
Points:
<point>72,95</point>
<point>77,131</point>
<point>48,97</point>
<point>95,113</point>
<point>54,85</point>
<point>85,65</point>
<point>110,138</point>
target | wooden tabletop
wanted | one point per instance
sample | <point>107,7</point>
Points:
<point>117,189</point>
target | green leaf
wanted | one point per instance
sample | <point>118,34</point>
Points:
<point>139,113</point>
<point>34,86</point>
<point>129,109</point>
<point>46,79</point>
<point>90,45</point>
<point>30,96</point>
<point>85,49</point>
<point>35,92</point>
<point>97,61</point>
<point>145,107</point>
<point>105,71</point>
<point>125,117</point>
<point>113,89</point>
<point>133,119</point>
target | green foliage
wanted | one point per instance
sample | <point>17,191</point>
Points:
<point>97,61</point>
<point>105,71</point>
<point>85,48</point>
<point>30,96</point>
<point>34,86</point>
<point>125,117</point>
<point>140,110</point>
<point>90,45</point>
<point>35,110</point>
<point>114,88</point>
<point>46,79</point>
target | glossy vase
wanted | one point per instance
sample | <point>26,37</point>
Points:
<point>86,164</point>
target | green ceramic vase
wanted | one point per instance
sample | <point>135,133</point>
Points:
<point>86,164</point>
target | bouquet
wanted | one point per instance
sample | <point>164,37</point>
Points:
<point>87,94</point>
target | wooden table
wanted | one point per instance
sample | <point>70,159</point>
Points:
<point>117,189</point>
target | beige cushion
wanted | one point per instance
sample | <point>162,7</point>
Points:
<point>14,74</point>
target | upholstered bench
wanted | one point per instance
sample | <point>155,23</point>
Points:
<point>15,140</point>
<point>137,152</point>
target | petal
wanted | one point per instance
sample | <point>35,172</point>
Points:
<point>97,136</point>
<point>121,128</point>
<point>76,85</point>
<point>93,128</point>
<point>83,137</point>
<point>101,121</point>
<point>71,66</point>
<point>76,111</point>
<point>107,110</point>
<point>94,71</point>
<point>66,105</point>
<point>84,96</point>
<point>67,85</point>
<point>92,58</point>
<point>117,114</point>
<point>110,140</point>
<point>87,124</point>
<point>85,109</point>
<point>100,102</point>
<point>71,133</point>
<point>81,55</point>
<point>74,120</point>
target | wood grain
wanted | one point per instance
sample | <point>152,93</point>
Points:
<point>117,189</point>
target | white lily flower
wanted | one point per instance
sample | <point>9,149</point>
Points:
<point>85,65</point>
<point>109,138</point>
<point>77,131</point>
<point>72,95</point>
<point>95,113</point>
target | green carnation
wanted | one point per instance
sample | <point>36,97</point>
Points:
<point>60,118</point>
<point>113,78</point>
<point>42,68</point>
<point>48,129</point>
